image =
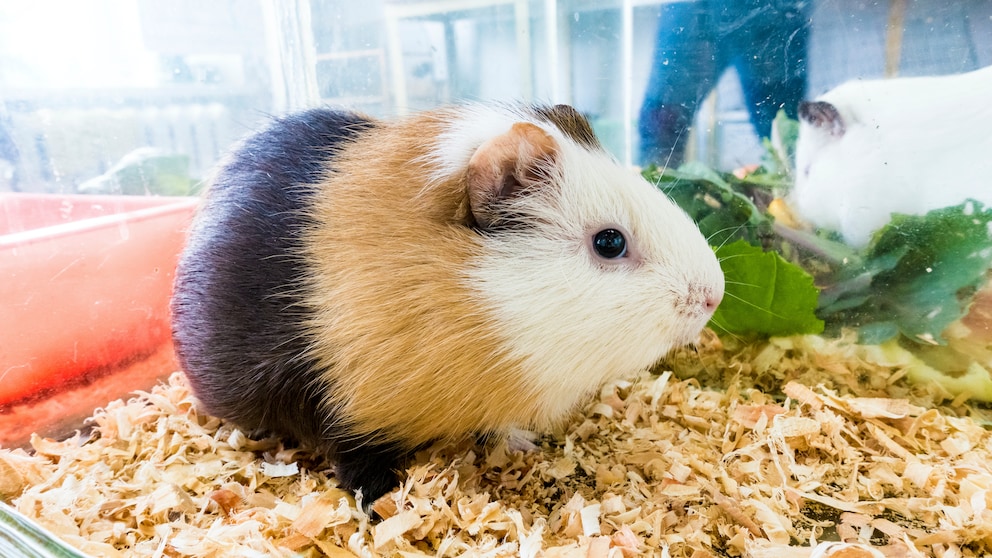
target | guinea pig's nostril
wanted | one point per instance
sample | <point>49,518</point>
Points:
<point>701,300</point>
<point>712,301</point>
<point>710,298</point>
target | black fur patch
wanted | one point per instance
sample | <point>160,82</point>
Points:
<point>571,123</point>
<point>237,313</point>
<point>823,115</point>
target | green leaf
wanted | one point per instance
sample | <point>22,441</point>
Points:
<point>923,272</point>
<point>765,295</point>
<point>722,214</point>
<point>851,285</point>
<point>695,170</point>
<point>830,252</point>
<point>780,149</point>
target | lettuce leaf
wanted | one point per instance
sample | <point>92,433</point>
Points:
<point>918,275</point>
<point>722,213</point>
<point>765,295</point>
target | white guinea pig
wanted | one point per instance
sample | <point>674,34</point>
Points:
<point>868,149</point>
<point>370,286</point>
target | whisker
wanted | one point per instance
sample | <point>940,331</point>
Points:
<point>725,331</point>
<point>740,284</point>
<point>732,256</point>
<point>671,185</point>
<point>732,227</point>
<point>753,305</point>
<point>736,230</point>
<point>672,152</point>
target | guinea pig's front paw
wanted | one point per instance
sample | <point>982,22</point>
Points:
<point>371,470</point>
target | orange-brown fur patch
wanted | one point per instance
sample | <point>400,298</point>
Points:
<point>411,354</point>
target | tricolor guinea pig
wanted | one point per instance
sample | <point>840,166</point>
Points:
<point>368,287</point>
<point>870,148</point>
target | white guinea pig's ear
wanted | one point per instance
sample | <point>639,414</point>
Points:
<point>823,116</point>
<point>506,166</point>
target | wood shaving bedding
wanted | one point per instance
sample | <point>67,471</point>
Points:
<point>797,447</point>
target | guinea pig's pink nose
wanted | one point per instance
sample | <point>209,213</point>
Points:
<point>701,300</point>
<point>713,299</point>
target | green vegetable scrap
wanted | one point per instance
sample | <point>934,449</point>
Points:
<point>917,277</point>
<point>765,294</point>
<point>142,172</point>
<point>780,149</point>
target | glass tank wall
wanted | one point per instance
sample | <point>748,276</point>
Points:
<point>188,79</point>
<point>836,154</point>
<point>880,206</point>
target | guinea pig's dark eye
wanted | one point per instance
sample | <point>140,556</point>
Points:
<point>610,244</point>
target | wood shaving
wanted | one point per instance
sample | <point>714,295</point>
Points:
<point>791,448</point>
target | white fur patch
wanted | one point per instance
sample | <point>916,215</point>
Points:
<point>575,319</point>
<point>911,145</point>
<point>474,125</point>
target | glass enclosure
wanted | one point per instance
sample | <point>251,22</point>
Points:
<point>123,98</point>
<point>849,139</point>
<point>83,88</point>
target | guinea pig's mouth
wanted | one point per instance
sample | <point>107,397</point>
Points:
<point>691,335</point>
<point>694,315</point>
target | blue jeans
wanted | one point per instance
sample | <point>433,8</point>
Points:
<point>697,40</point>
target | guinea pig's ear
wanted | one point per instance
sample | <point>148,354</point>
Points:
<point>507,166</point>
<point>822,116</point>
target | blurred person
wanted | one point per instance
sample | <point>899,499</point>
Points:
<point>765,40</point>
